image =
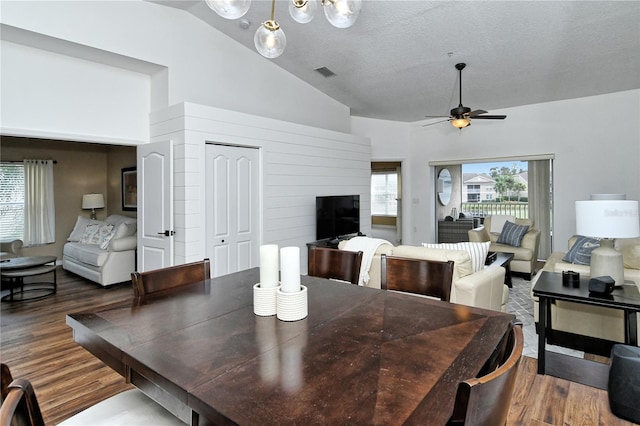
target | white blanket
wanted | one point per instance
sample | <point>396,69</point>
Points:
<point>368,247</point>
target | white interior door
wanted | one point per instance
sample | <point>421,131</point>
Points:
<point>155,205</point>
<point>232,208</point>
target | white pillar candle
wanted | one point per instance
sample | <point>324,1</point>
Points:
<point>290,269</point>
<point>269,265</point>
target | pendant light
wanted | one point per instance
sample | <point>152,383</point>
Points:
<point>302,11</point>
<point>342,13</point>
<point>229,9</point>
<point>270,40</point>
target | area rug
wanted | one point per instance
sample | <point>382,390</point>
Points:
<point>521,305</point>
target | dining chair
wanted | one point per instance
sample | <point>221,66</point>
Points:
<point>335,264</point>
<point>5,379</point>
<point>485,400</point>
<point>171,277</point>
<point>419,276</point>
<point>131,407</point>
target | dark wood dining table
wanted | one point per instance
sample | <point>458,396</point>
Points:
<point>361,356</point>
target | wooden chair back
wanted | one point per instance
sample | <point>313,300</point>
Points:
<point>333,263</point>
<point>420,276</point>
<point>5,379</point>
<point>19,405</point>
<point>149,282</point>
<point>485,400</point>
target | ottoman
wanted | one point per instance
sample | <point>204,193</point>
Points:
<point>624,382</point>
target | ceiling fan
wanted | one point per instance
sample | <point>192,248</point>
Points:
<point>461,116</point>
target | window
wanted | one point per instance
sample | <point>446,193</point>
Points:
<point>384,194</point>
<point>11,201</point>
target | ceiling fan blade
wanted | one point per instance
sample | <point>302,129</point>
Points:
<point>435,122</point>
<point>477,112</point>
<point>437,116</point>
<point>490,117</point>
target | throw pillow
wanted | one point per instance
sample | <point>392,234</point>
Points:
<point>477,251</point>
<point>78,229</point>
<point>96,233</point>
<point>580,251</point>
<point>89,233</point>
<point>512,234</point>
<point>125,230</point>
<point>105,239</point>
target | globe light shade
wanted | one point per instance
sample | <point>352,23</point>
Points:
<point>460,123</point>
<point>270,43</point>
<point>302,11</point>
<point>342,13</point>
<point>229,9</point>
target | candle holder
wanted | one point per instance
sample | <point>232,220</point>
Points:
<point>264,300</point>
<point>292,306</point>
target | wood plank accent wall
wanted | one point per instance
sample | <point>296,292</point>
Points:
<point>298,163</point>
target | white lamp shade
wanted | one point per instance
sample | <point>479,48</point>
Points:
<point>92,201</point>
<point>608,218</point>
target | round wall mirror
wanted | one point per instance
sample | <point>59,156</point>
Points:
<point>444,186</point>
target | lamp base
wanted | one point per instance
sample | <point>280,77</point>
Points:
<point>93,214</point>
<point>606,260</point>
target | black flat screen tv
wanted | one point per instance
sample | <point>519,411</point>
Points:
<point>337,216</point>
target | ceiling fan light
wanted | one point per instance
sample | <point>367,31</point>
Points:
<point>270,40</point>
<point>302,11</point>
<point>229,9</point>
<point>342,13</point>
<point>460,123</point>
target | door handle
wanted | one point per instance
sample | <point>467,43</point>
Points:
<point>167,233</point>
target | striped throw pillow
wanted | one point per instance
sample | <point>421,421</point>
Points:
<point>477,251</point>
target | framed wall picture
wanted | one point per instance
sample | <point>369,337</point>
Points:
<point>129,189</point>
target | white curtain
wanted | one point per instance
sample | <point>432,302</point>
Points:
<point>39,207</point>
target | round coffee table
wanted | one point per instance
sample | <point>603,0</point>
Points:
<point>14,270</point>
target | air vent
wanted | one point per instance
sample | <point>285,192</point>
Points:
<point>326,72</point>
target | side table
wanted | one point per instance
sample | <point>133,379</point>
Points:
<point>549,288</point>
<point>15,270</point>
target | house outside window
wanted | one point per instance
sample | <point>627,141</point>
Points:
<point>11,201</point>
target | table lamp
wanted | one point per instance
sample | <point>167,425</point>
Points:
<point>93,202</point>
<point>607,218</point>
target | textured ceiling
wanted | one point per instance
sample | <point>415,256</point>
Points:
<point>397,61</point>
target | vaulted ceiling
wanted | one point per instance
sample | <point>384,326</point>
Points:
<point>397,61</point>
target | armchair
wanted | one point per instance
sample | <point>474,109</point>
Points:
<point>10,249</point>
<point>525,257</point>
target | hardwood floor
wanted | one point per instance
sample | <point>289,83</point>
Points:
<point>37,345</point>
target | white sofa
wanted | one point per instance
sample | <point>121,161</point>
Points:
<point>103,252</point>
<point>592,321</point>
<point>483,289</point>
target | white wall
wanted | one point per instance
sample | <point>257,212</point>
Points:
<point>595,140</point>
<point>298,162</point>
<point>199,64</point>
<point>390,142</point>
<point>45,94</point>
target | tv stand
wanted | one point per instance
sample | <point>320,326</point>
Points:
<point>333,242</point>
